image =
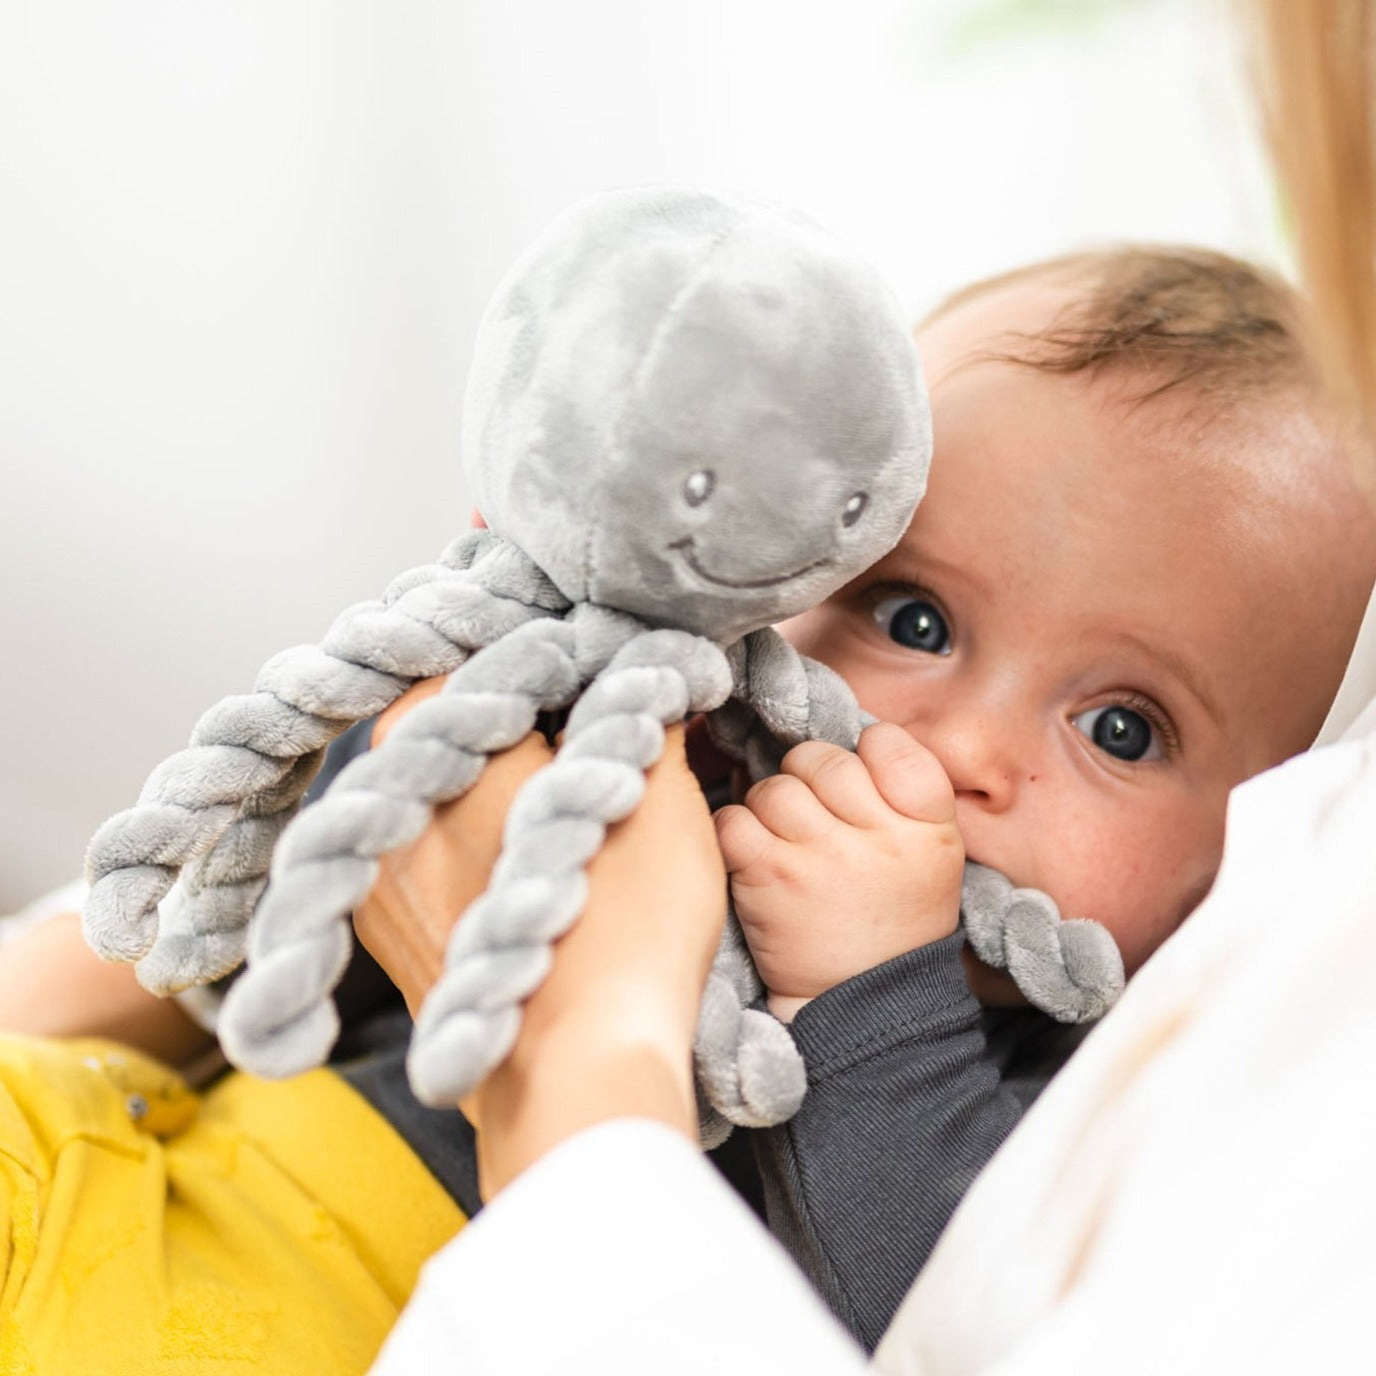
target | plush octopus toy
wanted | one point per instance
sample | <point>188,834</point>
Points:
<point>689,416</point>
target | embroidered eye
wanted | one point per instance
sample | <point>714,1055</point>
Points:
<point>697,487</point>
<point>854,507</point>
<point>914,622</point>
<point>1120,732</point>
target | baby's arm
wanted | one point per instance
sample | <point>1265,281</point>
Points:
<point>843,861</point>
<point>52,984</point>
<point>846,873</point>
<point>906,1103</point>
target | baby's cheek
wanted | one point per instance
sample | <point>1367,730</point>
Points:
<point>1150,894</point>
<point>1110,877</point>
<point>804,631</point>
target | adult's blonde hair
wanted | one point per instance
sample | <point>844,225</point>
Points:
<point>1317,81</point>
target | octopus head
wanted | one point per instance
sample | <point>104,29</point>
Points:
<point>698,409</point>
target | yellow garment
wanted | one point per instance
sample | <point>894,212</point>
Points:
<point>145,1229</point>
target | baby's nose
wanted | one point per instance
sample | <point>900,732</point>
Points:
<point>978,747</point>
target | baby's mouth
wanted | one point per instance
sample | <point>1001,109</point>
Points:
<point>744,585</point>
<point>991,987</point>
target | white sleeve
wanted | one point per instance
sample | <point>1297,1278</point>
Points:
<point>621,1251</point>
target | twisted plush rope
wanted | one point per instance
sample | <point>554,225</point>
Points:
<point>1070,968</point>
<point>222,802</point>
<point>277,1019</point>
<point>779,699</point>
<point>202,921</point>
<point>749,1070</point>
<point>500,950</point>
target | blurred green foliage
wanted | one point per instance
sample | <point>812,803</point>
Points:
<point>978,25</point>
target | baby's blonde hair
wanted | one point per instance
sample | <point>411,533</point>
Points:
<point>1175,318</point>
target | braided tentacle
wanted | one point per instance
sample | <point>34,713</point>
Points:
<point>1070,969</point>
<point>500,950</point>
<point>277,1019</point>
<point>780,698</point>
<point>243,759</point>
<point>749,1072</point>
<point>202,921</point>
<point>204,925</point>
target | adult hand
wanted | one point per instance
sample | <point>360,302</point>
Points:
<point>53,985</point>
<point>421,890</point>
<point>610,1032</point>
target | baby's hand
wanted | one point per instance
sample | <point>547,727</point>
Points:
<point>843,861</point>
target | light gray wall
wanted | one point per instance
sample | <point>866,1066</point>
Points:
<point>244,245</point>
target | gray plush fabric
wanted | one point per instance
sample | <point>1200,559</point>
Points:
<point>689,416</point>
<point>1072,970</point>
<point>651,335</point>
<point>211,815</point>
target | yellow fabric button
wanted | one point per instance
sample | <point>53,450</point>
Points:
<point>157,1099</point>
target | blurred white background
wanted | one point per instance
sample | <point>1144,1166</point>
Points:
<point>244,245</point>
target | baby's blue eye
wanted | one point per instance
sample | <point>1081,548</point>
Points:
<point>915,623</point>
<point>1120,732</point>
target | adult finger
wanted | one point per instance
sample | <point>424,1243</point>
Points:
<point>412,697</point>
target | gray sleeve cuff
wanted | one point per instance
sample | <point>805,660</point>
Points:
<point>920,994</point>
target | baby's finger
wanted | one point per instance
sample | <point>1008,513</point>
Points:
<point>789,808</point>
<point>744,840</point>
<point>840,781</point>
<point>906,774</point>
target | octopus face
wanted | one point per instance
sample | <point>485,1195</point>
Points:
<point>687,546</point>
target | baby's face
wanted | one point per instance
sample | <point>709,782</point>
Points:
<point>1100,621</point>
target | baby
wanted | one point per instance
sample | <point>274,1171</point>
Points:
<point>1101,619</point>
<point>1089,631</point>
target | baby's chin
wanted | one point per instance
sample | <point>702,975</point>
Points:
<point>993,988</point>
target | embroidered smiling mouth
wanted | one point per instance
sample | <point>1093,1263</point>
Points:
<point>691,558</point>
